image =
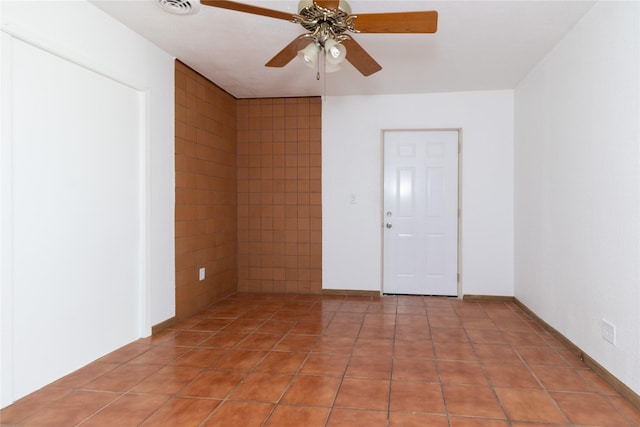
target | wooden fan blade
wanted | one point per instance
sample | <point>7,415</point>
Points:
<point>360,59</point>
<point>247,8</point>
<point>397,22</point>
<point>290,51</point>
<point>328,4</point>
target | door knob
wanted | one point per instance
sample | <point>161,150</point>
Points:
<point>389,225</point>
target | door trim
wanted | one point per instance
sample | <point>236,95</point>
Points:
<point>460,210</point>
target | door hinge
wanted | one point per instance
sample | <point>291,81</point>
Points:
<point>458,278</point>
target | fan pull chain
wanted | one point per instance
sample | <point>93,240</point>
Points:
<point>318,65</point>
<point>324,81</point>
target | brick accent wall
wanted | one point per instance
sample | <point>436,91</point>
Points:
<point>205,216</point>
<point>279,195</point>
<point>248,193</point>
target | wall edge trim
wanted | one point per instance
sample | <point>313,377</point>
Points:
<point>351,292</point>
<point>596,367</point>
<point>488,298</point>
<point>164,325</point>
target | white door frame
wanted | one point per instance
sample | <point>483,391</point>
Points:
<point>382,217</point>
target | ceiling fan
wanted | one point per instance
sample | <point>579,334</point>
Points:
<point>327,22</point>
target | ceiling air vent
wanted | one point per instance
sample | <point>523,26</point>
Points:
<point>179,7</point>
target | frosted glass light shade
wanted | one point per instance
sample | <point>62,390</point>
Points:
<point>335,52</point>
<point>309,54</point>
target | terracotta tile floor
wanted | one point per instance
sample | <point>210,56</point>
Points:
<point>294,360</point>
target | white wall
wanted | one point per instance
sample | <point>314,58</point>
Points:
<point>87,190</point>
<point>352,164</point>
<point>577,186</point>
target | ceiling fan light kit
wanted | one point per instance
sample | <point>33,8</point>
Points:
<point>326,21</point>
<point>332,56</point>
<point>323,42</point>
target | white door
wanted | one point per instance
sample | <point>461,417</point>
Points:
<point>420,212</point>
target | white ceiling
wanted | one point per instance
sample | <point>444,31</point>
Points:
<point>479,45</point>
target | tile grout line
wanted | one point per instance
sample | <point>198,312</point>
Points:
<point>482,366</point>
<point>437,363</point>
<point>393,349</point>
<point>208,369</point>
<point>344,372</point>
<point>547,393</point>
<point>293,377</point>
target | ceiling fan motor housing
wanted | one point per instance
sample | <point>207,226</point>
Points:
<point>324,23</point>
<point>342,6</point>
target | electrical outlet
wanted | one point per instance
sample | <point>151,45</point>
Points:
<point>201,274</point>
<point>609,332</point>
